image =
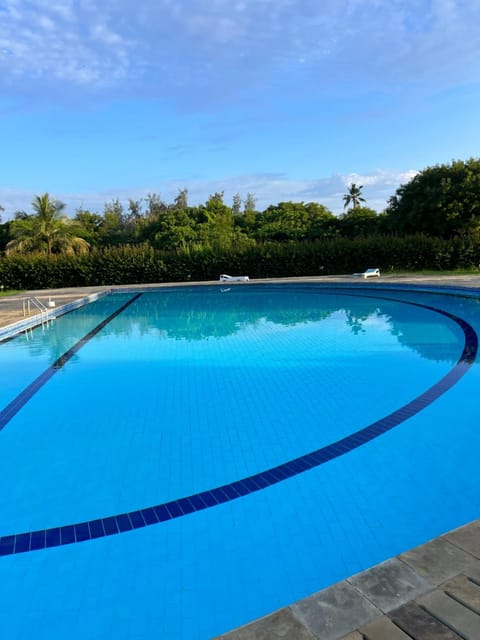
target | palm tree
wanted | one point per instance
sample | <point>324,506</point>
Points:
<point>353,196</point>
<point>46,230</point>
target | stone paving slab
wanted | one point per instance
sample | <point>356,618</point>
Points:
<point>454,615</point>
<point>382,629</point>
<point>465,591</point>
<point>439,560</point>
<point>474,573</point>
<point>332,613</point>
<point>390,584</point>
<point>281,625</point>
<point>420,625</point>
<point>467,538</point>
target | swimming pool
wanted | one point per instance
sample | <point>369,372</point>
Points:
<point>184,461</point>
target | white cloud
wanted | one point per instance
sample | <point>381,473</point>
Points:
<point>51,43</point>
<point>380,177</point>
<point>227,48</point>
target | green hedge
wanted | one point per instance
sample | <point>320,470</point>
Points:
<point>143,264</point>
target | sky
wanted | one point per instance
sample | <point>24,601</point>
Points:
<point>283,99</point>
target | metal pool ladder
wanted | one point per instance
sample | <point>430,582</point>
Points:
<point>44,314</point>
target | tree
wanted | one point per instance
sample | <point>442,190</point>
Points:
<point>250,202</point>
<point>216,223</point>
<point>47,230</point>
<point>116,228</point>
<point>354,196</point>
<point>134,210</point>
<point>181,200</point>
<point>295,221</point>
<point>360,221</point>
<point>215,202</point>
<point>441,201</point>
<point>172,230</point>
<point>155,206</point>
<point>5,235</point>
<point>236,204</point>
<point>321,221</point>
<point>89,225</point>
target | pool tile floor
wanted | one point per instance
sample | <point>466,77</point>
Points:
<point>431,592</point>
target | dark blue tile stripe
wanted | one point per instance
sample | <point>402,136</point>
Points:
<point>56,536</point>
<point>17,403</point>
<point>22,542</point>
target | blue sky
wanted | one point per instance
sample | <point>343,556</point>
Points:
<point>284,99</point>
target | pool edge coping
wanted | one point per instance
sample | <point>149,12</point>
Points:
<point>14,328</point>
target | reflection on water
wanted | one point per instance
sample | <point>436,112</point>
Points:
<point>196,314</point>
<point>62,334</point>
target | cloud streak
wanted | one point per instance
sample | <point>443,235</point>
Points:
<point>226,49</point>
<point>267,188</point>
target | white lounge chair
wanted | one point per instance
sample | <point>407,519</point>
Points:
<point>369,273</point>
<point>225,278</point>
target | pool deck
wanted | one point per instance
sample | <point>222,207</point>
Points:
<point>431,592</point>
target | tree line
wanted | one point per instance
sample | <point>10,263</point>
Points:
<point>442,201</point>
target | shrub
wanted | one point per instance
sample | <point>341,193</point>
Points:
<point>132,264</point>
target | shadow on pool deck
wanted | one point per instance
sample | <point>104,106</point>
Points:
<point>429,593</point>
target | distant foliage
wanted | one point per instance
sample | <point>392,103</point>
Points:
<point>47,230</point>
<point>442,201</point>
<point>295,221</point>
<point>433,222</point>
<point>360,221</point>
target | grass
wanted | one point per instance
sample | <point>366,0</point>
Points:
<point>10,292</point>
<point>434,272</point>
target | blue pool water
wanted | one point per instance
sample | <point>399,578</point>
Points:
<point>180,462</point>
